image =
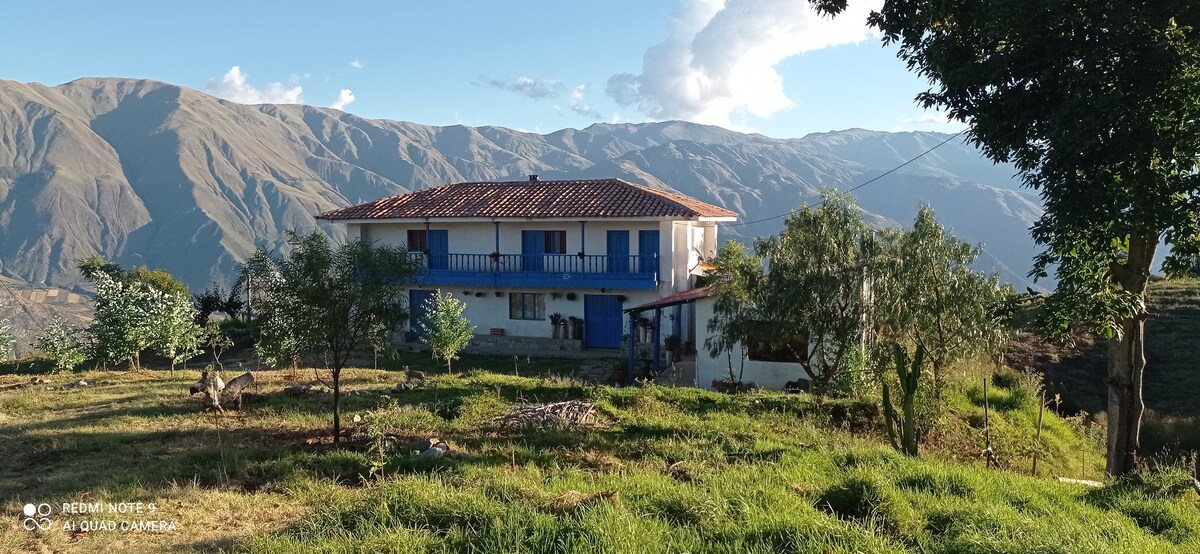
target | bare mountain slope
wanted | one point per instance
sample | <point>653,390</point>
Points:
<point>147,172</point>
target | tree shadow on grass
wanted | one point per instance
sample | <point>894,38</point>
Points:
<point>63,466</point>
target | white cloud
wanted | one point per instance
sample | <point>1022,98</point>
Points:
<point>234,86</point>
<point>530,87</point>
<point>718,64</point>
<point>580,105</point>
<point>345,97</point>
<point>579,92</point>
<point>357,64</point>
<point>928,121</point>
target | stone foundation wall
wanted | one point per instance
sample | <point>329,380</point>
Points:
<point>494,344</point>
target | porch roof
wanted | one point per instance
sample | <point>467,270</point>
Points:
<point>684,297</point>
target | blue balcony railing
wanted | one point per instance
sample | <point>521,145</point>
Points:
<point>540,270</point>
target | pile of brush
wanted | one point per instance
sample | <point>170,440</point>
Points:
<point>572,413</point>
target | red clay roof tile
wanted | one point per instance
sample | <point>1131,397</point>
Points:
<point>594,198</point>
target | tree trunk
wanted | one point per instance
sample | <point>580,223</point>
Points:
<point>1127,363</point>
<point>337,406</point>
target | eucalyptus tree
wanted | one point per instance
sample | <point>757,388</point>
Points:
<point>331,299</point>
<point>1096,103</point>
<point>925,293</point>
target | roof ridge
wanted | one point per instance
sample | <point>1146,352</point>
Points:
<point>609,197</point>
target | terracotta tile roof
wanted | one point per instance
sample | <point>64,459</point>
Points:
<point>595,198</point>
<point>672,300</point>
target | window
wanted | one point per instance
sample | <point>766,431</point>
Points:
<point>760,350</point>
<point>556,242</point>
<point>526,305</point>
<point>418,240</point>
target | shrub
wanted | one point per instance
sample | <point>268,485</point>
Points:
<point>64,344</point>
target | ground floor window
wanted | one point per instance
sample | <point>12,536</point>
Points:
<point>526,305</point>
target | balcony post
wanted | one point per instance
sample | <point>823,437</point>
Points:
<point>632,347</point>
<point>656,335</point>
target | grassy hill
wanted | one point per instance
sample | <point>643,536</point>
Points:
<point>659,470</point>
<point>1172,386</point>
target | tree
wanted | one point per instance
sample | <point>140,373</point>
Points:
<point>1096,104</point>
<point>215,299</point>
<point>121,322</point>
<point>64,344</point>
<point>138,310</point>
<point>445,329</point>
<point>925,293</point>
<point>93,266</point>
<point>160,281</point>
<point>736,285</point>
<point>216,340</point>
<point>6,338</point>
<point>810,300</point>
<point>173,329</point>
<point>331,299</point>
<point>207,303</point>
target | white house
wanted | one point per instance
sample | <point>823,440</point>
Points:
<point>518,252</point>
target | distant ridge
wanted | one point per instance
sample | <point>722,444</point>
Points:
<point>145,172</point>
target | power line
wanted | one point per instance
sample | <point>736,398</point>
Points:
<point>861,185</point>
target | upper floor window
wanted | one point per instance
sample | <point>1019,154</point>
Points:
<point>418,240</point>
<point>556,242</point>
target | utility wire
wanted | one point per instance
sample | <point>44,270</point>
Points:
<point>861,185</point>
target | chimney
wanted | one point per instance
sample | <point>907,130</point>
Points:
<point>533,178</point>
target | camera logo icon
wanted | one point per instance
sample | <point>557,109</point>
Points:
<point>36,517</point>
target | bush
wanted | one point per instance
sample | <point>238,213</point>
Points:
<point>64,344</point>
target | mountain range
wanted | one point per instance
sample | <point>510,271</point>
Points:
<point>145,172</point>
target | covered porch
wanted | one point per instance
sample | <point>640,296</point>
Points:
<point>674,306</point>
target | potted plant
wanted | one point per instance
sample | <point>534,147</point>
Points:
<point>731,383</point>
<point>577,324</point>
<point>620,371</point>
<point>555,330</point>
<point>671,343</point>
<point>495,257</point>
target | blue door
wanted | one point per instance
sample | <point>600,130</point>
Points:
<point>533,250</point>
<point>618,251</point>
<point>601,321</point>
<point>647,251</point>
<point>439,249</point>
<point>417,312</point>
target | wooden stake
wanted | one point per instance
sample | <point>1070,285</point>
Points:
<point>988,454</point>
<point>1037,440</point>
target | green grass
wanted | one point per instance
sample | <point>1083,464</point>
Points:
<point>663,470</point>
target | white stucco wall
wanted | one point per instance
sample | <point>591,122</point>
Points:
<point>489,311</point>
<point>771,375</point>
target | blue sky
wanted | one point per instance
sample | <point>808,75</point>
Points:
<point>767,66</point>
